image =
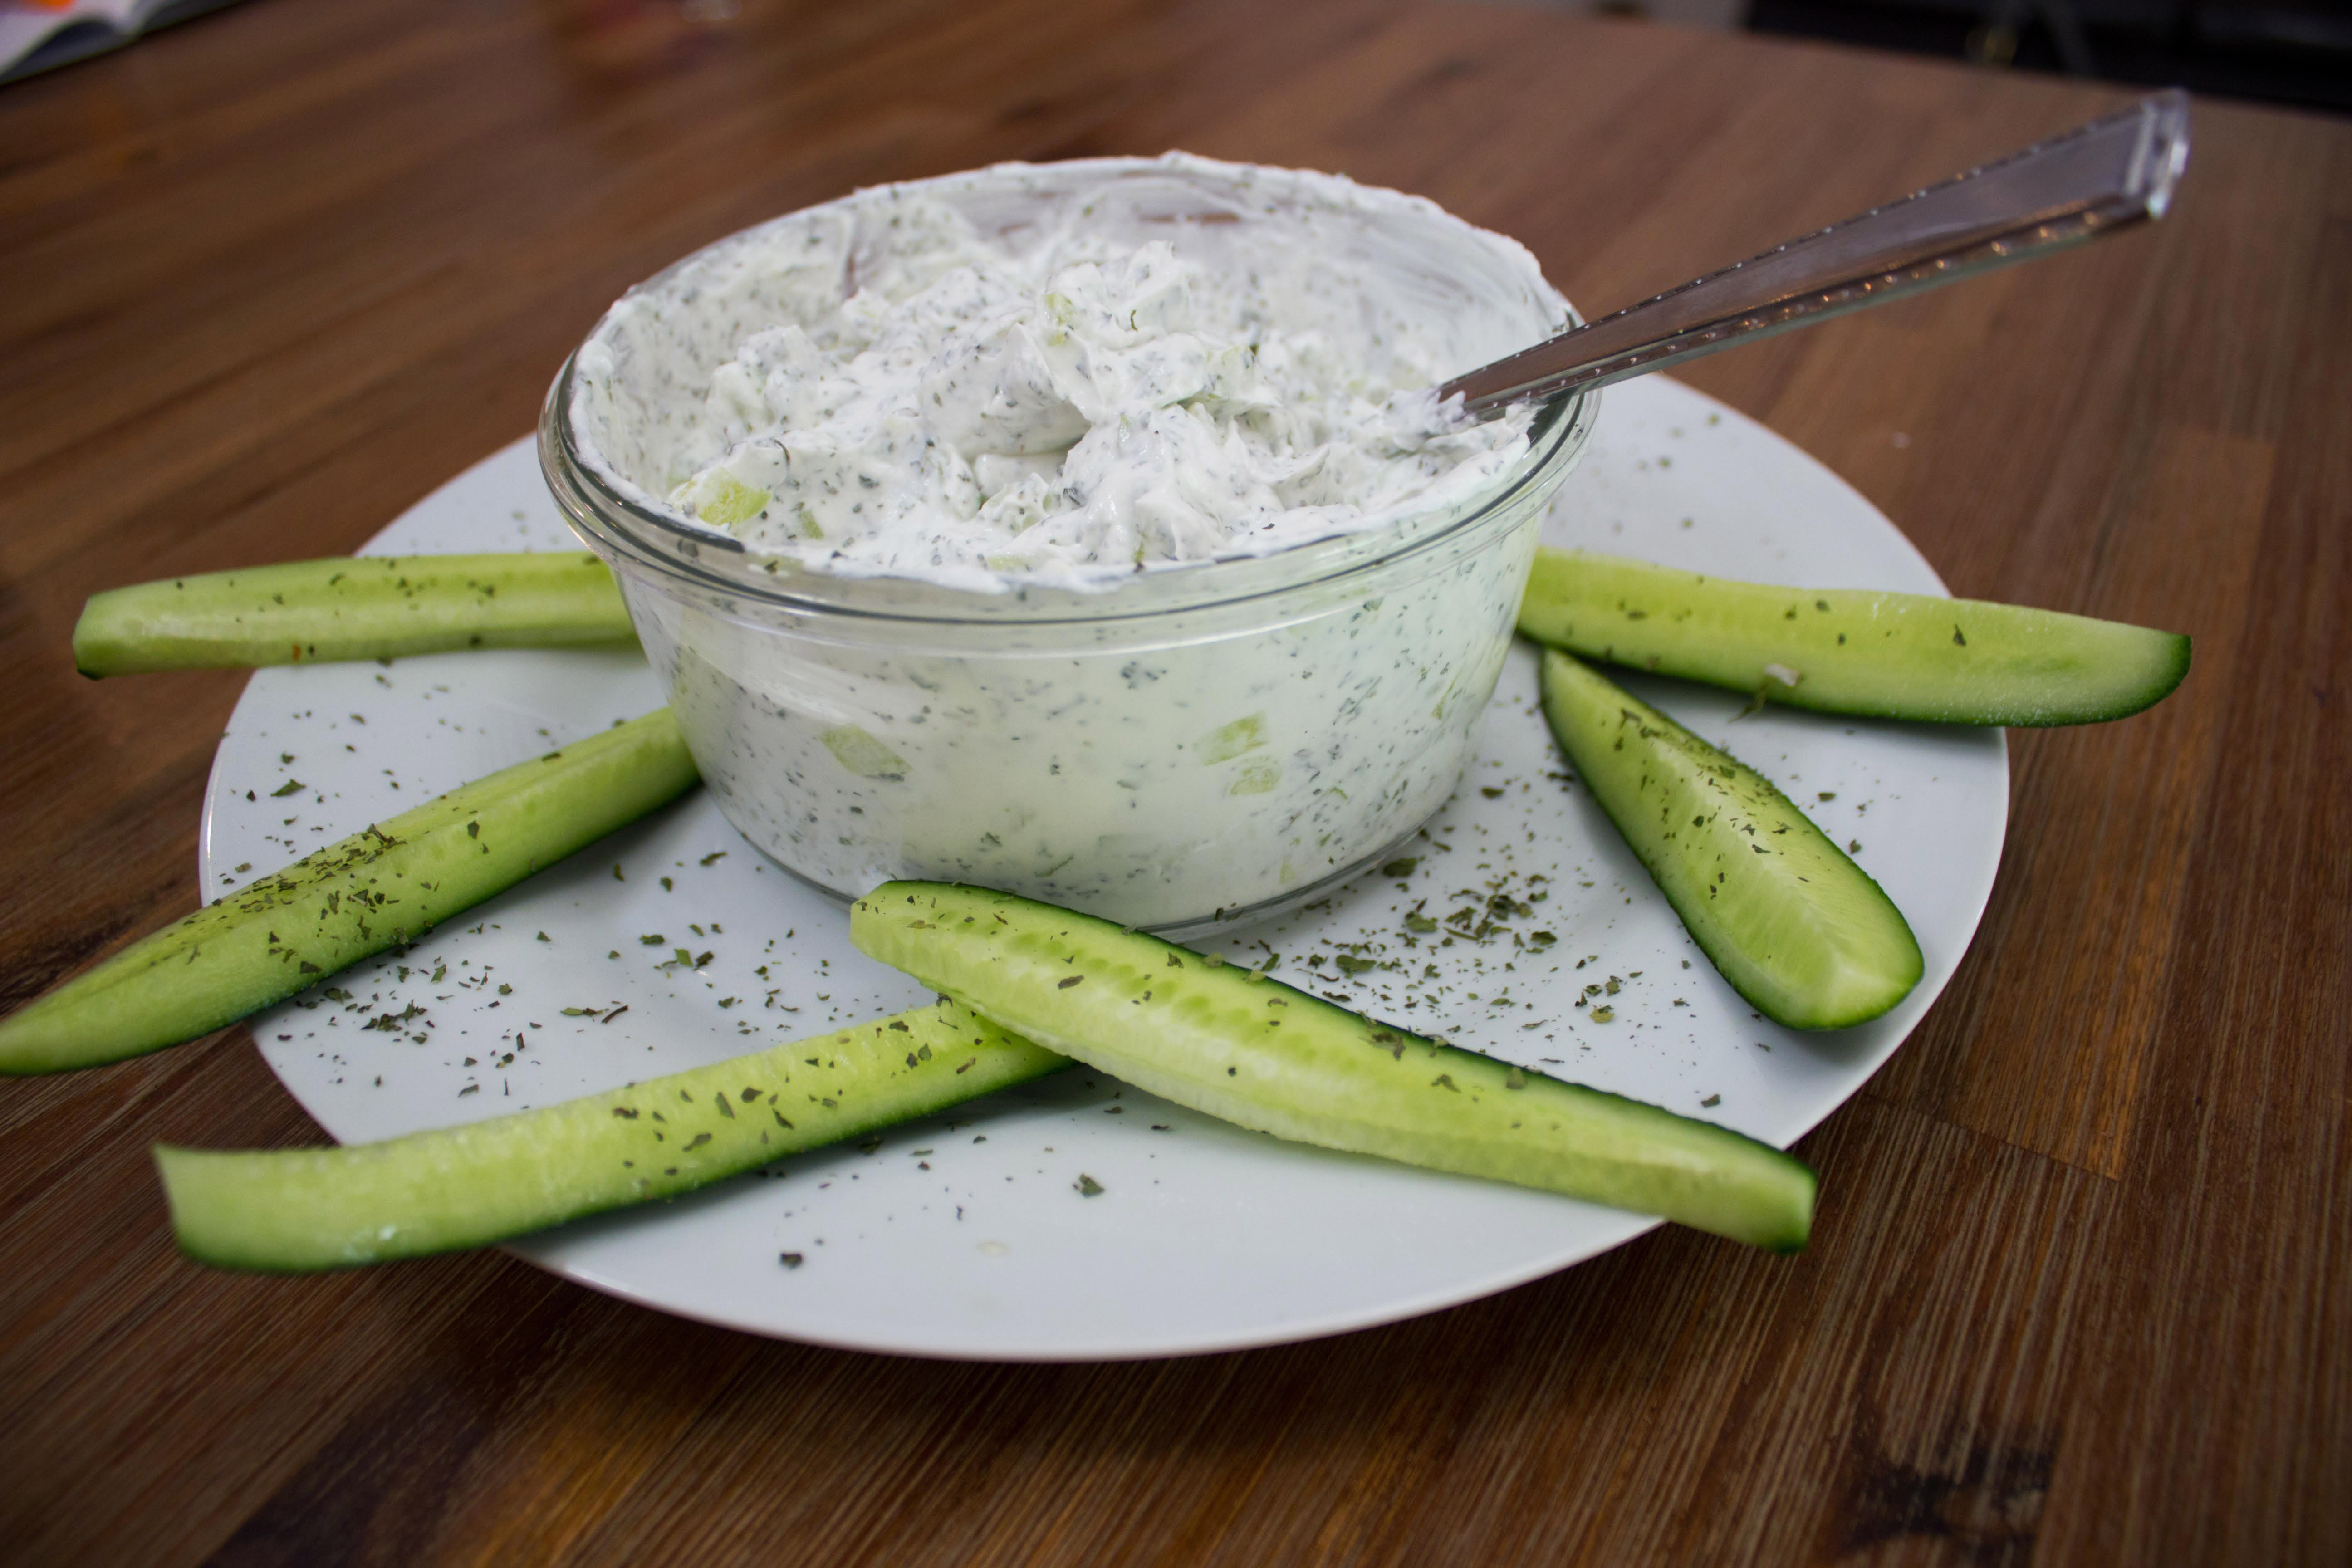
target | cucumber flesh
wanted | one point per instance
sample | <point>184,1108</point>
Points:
<point>298,1210</point>
<point>1840,650</point>
<point>380,888</point>
<point>1794,925</point>
<point>1231,1043</point>
<point>359,606</point>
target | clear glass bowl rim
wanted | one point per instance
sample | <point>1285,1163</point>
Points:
<point>672,547</point>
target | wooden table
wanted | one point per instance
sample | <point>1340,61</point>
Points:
<point>2081,1291</point>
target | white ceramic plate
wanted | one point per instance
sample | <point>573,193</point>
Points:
<point>966,1235</point>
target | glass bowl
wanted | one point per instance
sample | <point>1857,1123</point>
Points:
<point>1198,746</point>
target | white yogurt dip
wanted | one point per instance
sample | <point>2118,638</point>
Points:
<point>1071,529</point>
<point>1063,402</point>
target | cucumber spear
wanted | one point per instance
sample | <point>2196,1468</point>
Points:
<point>1796,927</point>
<point>1235,1044</point>
<point>384,885</point>
<point>1844,650</point>
<point>297,1210</point>
<point>359,606</point>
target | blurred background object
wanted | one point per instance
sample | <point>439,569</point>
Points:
<point>615,41</point>
<point>606,41</point>
<point>38,35</point>
<point>2282,51</point>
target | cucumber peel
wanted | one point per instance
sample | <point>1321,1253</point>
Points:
<point>1842,650</point>
<point>382,886</point>
<point>1252,1051</point>
<point>299,1210</point>
<point>1796,927</point>
<point>359,606</point>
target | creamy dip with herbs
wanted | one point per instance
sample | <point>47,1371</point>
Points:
<point>1063,402</point>
<point>1017,461</point>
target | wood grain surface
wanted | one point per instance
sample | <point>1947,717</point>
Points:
<point>2081,1291</point>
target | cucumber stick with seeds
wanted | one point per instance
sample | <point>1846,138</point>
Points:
<point>1794,925</point>
<point>354,607</point>
<point>381,887</point>
<point>1841,651</point>
<point>299,1210</point>
<point>1231,1043</point>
